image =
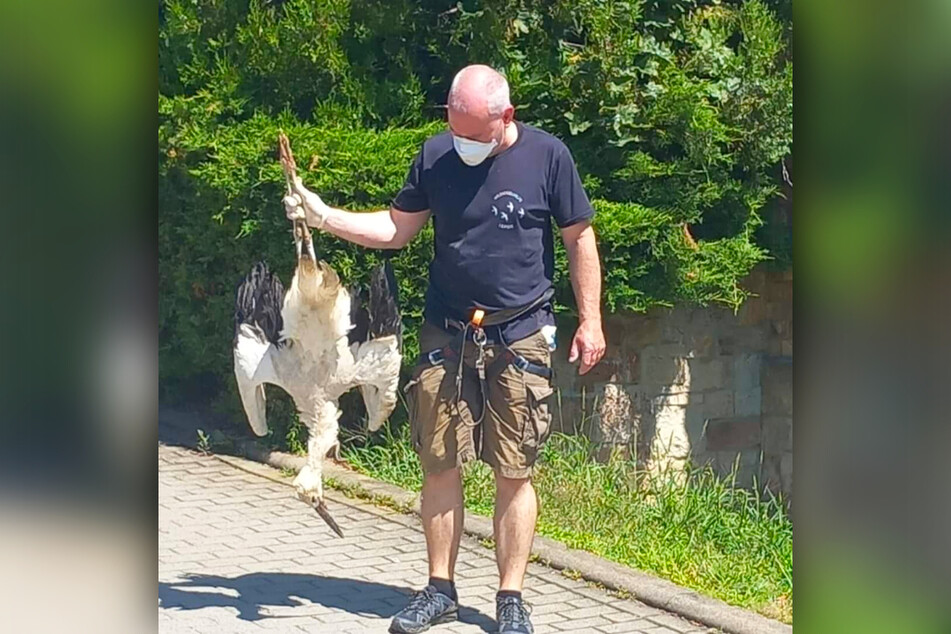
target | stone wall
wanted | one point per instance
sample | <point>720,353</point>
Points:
<point>698,384</point>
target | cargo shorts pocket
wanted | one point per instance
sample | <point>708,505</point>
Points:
<point>539,391</point>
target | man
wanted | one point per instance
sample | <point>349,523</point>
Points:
<point>493,187</point>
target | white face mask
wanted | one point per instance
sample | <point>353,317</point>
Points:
<point>472,152</point>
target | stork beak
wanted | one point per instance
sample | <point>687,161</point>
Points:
<point>298,238</point>
<point>303,241</point>
<point>310,247</point>
<point>324,514</point>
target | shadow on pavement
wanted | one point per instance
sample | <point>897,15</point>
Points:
<point>255,594</point>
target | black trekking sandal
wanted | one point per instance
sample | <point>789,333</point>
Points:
<point>512,616</point>
<point>428,607</point>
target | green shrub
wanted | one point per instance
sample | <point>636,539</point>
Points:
<point>678,114</point>
<point>220,197</point>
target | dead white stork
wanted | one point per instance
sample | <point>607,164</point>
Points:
<point>305,341</point>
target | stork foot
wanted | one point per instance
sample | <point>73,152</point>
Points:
<point>309,485</point>
<point>309,488</point>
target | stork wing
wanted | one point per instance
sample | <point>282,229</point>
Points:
<point>359,315</point>
<point>252,369</point>
<point>257,324</point>
<point>384,304</point>
<point>378,360</point>
<point>378,374</point>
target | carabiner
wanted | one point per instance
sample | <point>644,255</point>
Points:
<point>478,337</point>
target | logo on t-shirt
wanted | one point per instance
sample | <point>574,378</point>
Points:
<point>508,206</point>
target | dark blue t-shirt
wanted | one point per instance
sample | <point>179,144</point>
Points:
<point>492,222</point>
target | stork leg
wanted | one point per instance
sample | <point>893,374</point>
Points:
<point>322,429</point>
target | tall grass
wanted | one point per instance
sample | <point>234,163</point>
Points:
<point>699,531</point>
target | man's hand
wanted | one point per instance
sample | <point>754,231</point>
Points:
<point>588,344</point>
<point>305,204</point>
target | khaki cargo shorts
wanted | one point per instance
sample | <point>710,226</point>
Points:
<point>515,423</point>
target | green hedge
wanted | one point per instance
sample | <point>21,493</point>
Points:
<point>678,113</point>
<point>220,196</point>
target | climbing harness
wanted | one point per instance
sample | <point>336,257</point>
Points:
<point>474,331</point>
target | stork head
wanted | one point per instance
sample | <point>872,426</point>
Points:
<point>315,281</point>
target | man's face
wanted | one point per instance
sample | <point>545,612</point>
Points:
<point>480,127</point>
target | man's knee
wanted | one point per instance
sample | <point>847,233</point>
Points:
<point>504,483</point>
<point>452,473</point>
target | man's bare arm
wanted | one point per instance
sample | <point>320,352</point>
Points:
<point>585,269</point>
<point>385,229</point>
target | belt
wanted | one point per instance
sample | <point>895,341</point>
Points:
<point>503,316</point>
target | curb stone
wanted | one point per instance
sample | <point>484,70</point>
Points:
<point>653,591</point>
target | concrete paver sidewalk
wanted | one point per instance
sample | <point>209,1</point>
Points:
<point>238,553</point>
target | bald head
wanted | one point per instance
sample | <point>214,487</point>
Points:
<point>479,91</point>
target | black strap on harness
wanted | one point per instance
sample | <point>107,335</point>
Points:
<point>450,354</point>
<point>499,317</point>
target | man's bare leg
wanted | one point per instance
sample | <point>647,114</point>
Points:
<point>442,511</point>
<point>516,509</point>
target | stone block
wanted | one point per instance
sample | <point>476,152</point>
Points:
<point>777,435</point>
<point>782,327</point>
<point>744,465</point>
<point>755,281</point>
<point>712,374</point>
<point>780,291</point>
<point>566,414</point>
<point>748,402</point>
<point>663,371</point>
<point>670,399</point>
<point>695,423</point>
<point>675,325</point>
<point>753,312</point>
<point>774,347</point>
<point>609,370</point>
<point>718,404</point>
<point>785,347</point>
<point>670,445</point>
<point>750,340</point>
<point>747,369</point>
<point>632,333</point>
<point>779,311</point>
<point>615,415</point>
<point>726,344</point>
<point>703,346</point>
<point>733,433</point>
<point>668,350</point>
<point>677,388</point>
<point>777,380</point>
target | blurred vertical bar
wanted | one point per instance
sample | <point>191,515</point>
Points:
<point>77,315</point>
<point>873,437</point>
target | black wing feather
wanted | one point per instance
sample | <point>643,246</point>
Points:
<point>359,316</point>
<point>258,301</point>
<point>384,304</point>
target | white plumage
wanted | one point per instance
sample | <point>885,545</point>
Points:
<point>304,341</point>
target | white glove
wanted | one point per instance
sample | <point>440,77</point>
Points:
<point>293,208</point>
<point>304,204</point>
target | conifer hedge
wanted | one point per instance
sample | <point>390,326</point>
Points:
<point>678,113</point>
